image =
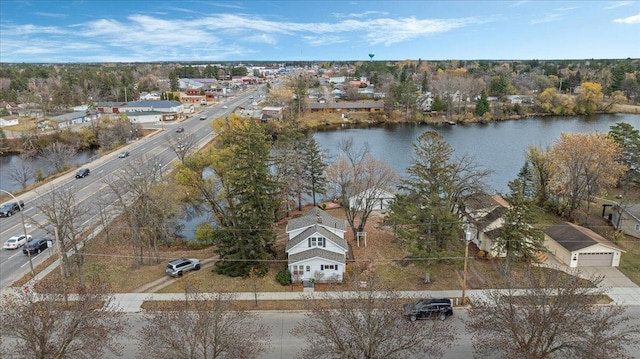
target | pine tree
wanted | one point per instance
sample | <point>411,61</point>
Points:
<point>248,237</point>
<point>482,106</point>
<point>314,168</point>
<point>518,241</point>
<point>438,105</point>
<point>423,212</point>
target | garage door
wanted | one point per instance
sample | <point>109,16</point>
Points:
<point>595,259</point>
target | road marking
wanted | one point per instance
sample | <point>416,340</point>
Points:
<point>16,253</point>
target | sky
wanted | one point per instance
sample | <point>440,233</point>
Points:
<point>42,31</point>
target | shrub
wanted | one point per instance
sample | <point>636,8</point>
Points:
<point>284,277</point>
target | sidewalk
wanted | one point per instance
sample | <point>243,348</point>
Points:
<point>132,302</point>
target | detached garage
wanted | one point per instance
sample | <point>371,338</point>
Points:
<point>578,246</point>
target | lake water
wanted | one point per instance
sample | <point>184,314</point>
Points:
<point>498,146</point>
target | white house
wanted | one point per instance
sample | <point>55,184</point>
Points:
<point>484,215</point>
<point>578,246</point>
<point>626,218</point>
<point>8,121</point>
<point>371,199</point>
<point>73,118</point>
<point>316,248</point>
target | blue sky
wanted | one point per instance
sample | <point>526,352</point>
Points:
<point>147,31</point>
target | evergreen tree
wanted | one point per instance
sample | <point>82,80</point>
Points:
<point>423,211</point>
<point>482,106</point>
<point>438,105</point>
<point>289,165</point>
<point>174,85</point>
<point>246,237</point>
<point>518,241</point>
<point>425,82</point>
<point>314,168</point>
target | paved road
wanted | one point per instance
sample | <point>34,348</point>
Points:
<point>13,264</point>
<point>286,346</point>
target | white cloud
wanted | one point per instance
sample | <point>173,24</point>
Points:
<point>262,38</point>
<point>50,14</point>
<point>618,4</point>
<point>548,18</point>
<point>324,40</point>
<point>359,15</point>
<point>635,19</point>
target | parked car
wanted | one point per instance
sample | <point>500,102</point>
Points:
<point>83,172</point>
<point>10,208</point>
<point>177,267</point>
<point>439,308</point>
<point>35,246</point>
<point>180,129</point>
<point>123,154</point>
<point>16,241</point>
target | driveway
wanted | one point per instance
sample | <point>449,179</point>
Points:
<point>611,276</point>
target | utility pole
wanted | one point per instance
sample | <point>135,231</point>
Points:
<point>467,238</point>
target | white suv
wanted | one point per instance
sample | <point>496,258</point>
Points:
<point>176,267</point>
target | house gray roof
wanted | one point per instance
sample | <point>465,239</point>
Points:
<point>633,209</point>
<point>316,216</point>
<point>319,253</point>
<point>491,217</point>
<point>480,201</point>
<point>494,233</point>
<point>341,242</point>
<point>574,237</point>
<point>69,116</point>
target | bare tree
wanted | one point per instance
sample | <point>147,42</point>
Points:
<point>147,204</point>
<point>21,173</point>
<point>204,326</point>
<point>58,154</point>
<point>181,144</point>
<point>46,326</point>
<point>365,323</point>
<point>67,216</point>
<point>554,316</point>
<point>357,180</point>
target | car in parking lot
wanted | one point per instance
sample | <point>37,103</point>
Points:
<point>177,267</point>
<point>123,154</point>
<point>83,172</point>
<point>435,308</point>
<point>180,129</point>
<point>36,246</point>
<point>16,241</point>
<point>10,208</point>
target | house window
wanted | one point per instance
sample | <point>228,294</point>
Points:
<point>317,242</point>
<point>308,268</point>
<point>330,266</point>
<point>638,227</point>
<point>298,270</point>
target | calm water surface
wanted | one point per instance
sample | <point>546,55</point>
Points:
<point>498,146</point>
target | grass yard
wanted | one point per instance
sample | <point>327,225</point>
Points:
<point>383,255</point>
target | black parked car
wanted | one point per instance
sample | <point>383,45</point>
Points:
<point>10,208</point>
<point>35,246</point>
<point>83,172</point>
<point>440,308</point>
